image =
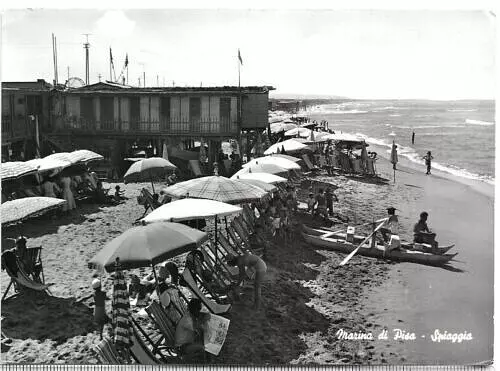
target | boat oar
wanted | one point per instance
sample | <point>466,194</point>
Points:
<point>348,257</point>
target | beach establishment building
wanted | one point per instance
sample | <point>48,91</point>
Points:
<point>121,121</point>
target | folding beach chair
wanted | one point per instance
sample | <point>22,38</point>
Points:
<point>227,247</point>
<point>216,257</point>
<point>166,326</point>
<point>246,228</point>
<point>249,215</point>
<point>309,164</point>
<point>237,242</point>
<point>242,233</point>
<point>18,277</point>
<point>107,353</point>
<point>212,306</point>
<point>139,350</point>
<point>35,266</point>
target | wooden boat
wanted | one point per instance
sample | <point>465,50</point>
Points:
<point>330,240</point>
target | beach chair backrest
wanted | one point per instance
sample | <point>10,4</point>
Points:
<point>106,352</point>
<point>212,306</point>
<point>164,324</point>
<point>308,162</point>
<point>149,200</point>
<point>226,245</point>
<point>248,214</point>
<point>244,225</point>
<point>236,240</point>
<point>219,273</point>
<point>240,231</point>
<point>139,349</point>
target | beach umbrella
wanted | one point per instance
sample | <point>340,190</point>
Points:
<point>44,164</point>
<point>64,156</point>
<point>218,188</point>
<point>146,169</point>
<point>84,155</point>
<point>16,169</point>
<point>203,153</point>
<point>394,158</point>
<point>259,183</point>
<point>301,132</point>
<point>121,310</point>
<point>311,136</point>
<point>148,245</point>
<point>191,208</point>
<point>364,158</point>
<point>263,177</point>
<point>165,151</point>
<point>263,168</point>
<point>24,208</point>
<point>291,158</point>
<point>280,161</point>
<point>290,145</point>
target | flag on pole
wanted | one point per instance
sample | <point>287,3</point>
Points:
<point>239,57</point>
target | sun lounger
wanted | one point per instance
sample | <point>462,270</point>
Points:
<point>166,326</point>
<point>237,242</point>
<point>107,353</point>
<point>34,257</point>
<point>212,306</point>
<point>245,239</point>
<point>18,277</point>
<point>216,257</point>
<point>139,350</point>
<point>239,229</point>
<point>249,214</point>
<point>227,247</point>
<point>195,167</point>
<point>309,164</point>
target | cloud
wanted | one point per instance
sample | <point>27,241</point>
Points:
<point>114,24</point>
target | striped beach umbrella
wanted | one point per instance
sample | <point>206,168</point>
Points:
<point>216,188</point>
<point>16,169</point>
<point>121,310</point>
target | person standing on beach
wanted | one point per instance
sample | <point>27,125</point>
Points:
<point>100,317</point>
<point>428,158</point>
<point>250,261</point>
<point>413,138</point>
<point>330,196</point>
<point>321,204</point>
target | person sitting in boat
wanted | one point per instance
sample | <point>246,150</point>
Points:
<point>391,224</point>
<point>422,233</point>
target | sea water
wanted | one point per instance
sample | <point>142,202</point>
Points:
<point>460,134</point>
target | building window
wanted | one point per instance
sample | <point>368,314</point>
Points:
<point>225,113</point>
<point>194,112</point>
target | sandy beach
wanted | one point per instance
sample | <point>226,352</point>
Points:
<point>308,298</point>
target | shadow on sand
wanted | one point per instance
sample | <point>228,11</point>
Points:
<point>32,315</point>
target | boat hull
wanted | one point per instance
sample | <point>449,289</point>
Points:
<point>400,255</point>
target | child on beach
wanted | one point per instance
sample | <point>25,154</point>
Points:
<point>119,194</point>
<point>100,317</point>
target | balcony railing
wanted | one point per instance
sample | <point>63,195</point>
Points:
<point>204,126</point>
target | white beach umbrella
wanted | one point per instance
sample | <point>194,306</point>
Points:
<point>263,168</point>
<point>301,132</point>
<point>191,208</point>
<point>47,164</point>
<point>263,177</point>
<point>16,169</point>
<point>289,145</point>
<point>280,161</point>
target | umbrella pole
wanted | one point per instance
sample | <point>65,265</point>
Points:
<point>216,255</point>
<point>152,185</point>
<point>156,280</point>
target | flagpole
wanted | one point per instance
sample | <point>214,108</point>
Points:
<point>239,106</point>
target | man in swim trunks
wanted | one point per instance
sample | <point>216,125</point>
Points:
<point>422,233</point>
<point>250,261</point>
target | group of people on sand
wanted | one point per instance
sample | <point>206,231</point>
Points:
<point>321,204</point>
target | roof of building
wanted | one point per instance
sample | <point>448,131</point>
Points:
<point>38,85</point>
<point>108,86</point>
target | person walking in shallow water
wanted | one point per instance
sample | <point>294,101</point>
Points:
<point>428,158</point>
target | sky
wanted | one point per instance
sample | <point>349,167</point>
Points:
<point>394,54</point>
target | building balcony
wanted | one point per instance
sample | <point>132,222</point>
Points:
<point>202,127</point>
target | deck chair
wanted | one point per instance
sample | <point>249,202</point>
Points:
<point>166,326</point>
<point>211,281</point>
<point>148,202</point>
<point>195,167</point>
<point>216,256</point>
<point>240,230</point>
<point>248,214</point>
<point>309,164</point>
<point>34,256</point>
<point>107,353</point>
<point>247,229</point>
<point>18,277</point>
<point>139,350</point>
<point>245,239</point>
<point>212,306</point>
<point>227,247</point>
<point>237,242</point>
